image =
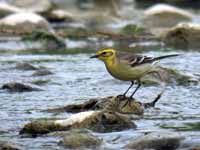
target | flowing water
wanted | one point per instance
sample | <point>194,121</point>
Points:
<point>77,78</point>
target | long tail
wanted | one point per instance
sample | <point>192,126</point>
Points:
<point>166,56</point>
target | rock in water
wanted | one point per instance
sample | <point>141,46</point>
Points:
<point>170,76</point>
<point>33,6</point>
<point>19,87</point>
<point>74,139</point>
<point>5,145</point>
<point>48,40</point>
<point>23,23</point>
<point>60,15</point>
<point>42,72</point>
<point>162,15</point>
<point>6,9</point>
<point>111,103</point>
<point>184,36</point>
<point>98,121</point>
<point>157,141</point>
<point>25,66</point>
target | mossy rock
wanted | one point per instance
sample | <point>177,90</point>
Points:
<point>74,139</point>
<point>98,121</point>
<point>48,39</point>
<point>133,29</point>
<point>40,127</point>
<point>111,103</point>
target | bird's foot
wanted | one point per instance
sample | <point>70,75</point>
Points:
<point>131,98</point>
<point>128,102</point>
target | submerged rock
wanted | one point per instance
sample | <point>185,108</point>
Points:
<point>25,66</point>
<point>42,72</point>
<point>183,36</point>
<point>157,141</point>
<point>19,87</point>
<point>23,23</point>
<point>74,139</point>
<point>49,41</point>
<point>6,9</point>
<point>40,82</point>
<point>5,145</point>
<point>163,15</point>
<point>98,121</point>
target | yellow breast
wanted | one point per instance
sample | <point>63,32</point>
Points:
<point>127,73</point>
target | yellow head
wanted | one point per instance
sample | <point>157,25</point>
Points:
<point>106,55</point>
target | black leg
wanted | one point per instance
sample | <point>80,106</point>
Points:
<point>132,83</point>
<point>138,86</point>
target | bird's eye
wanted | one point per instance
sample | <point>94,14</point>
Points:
<point>104,53</point>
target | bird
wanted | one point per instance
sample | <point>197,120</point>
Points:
<point>129,66</point>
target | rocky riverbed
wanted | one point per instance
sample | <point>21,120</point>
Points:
<point>53,96</point>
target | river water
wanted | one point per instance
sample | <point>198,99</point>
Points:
<point>77,78</point>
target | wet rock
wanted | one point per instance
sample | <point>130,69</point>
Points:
<point>74,139</point>
<point>25,66</point>
<point>23,23</point>
<point>49,41</point>
<point>170,76</point>
<point>120,104</point>
<point>6,9</point>
<point>31,6</point>
<point>183,36</point>
<point>74,108</point>
<point>42,72</point>
<point>60,15</point>
<point>19,87</point>
<point>195,126</point>
<point>195,148</point>
<point>112,103</point>
<point>5,145</point>
<point>190,143</point>
<point>157,141</point>
<point>98,121</point>
<point>40,82</point>
<point>162,15</point>
<point>182,3</point>
<point>133,29</point>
